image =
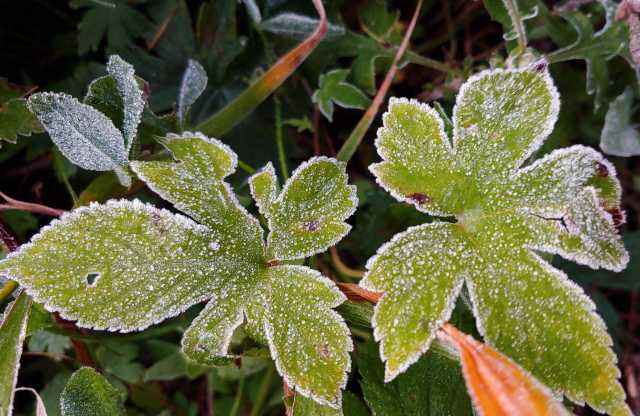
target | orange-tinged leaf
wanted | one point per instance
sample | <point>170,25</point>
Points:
<point>497,385</point>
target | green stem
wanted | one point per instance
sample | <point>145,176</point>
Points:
<point>8,290</point>
<point>258,406</point>
<point>236,401</point>
<point>283,161</point>
<point>246,167</point>
<point>514,14</point>
<point>63,175</point>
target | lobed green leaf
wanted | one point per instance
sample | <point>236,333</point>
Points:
<point>90,394</point>
<point>566,203</point>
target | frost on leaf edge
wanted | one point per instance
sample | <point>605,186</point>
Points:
<point>126,84</point>
<point>552,117</point>
<point>446,313</point>
<point>422,107</point>
<point>572,288</point>
<point>269,169</point>
<point>342,167</point>
<point>450,145</point>
<point>116,164</point>
<point>135,205</point>
<point>230,171</point>
<point>340,321</point>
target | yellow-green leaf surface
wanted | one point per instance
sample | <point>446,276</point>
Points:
<point>12,333</point>
<point>126,265</point>
<point>308,216</point>
<point>90,394</point>
<point>566,203</point>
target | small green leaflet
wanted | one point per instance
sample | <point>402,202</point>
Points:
<point>15,117</point>
<point>596,48</point>
<point>152,264</point>
<point>130,96</point>
<point>90,394</point>
<point>619,137</point>
<point>566,203</point>
<point>194,81</point>
<point>116,19</point>
<point>12,333</point>
<point>84,135</point>
<point>308,215</point>
<point>333,89</point>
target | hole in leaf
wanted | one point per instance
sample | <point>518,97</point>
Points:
<point>92,279</point>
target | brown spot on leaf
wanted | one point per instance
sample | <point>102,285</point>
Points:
<point>602,170</point>
<point>540,66</point>
<point>156,218</point>
<point>238,363</point>
<point>616,215</point>
<point>420,198</point>
<point>322,349</point>
<point>312,225</point>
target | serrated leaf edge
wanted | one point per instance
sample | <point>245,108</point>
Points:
<point>342,166</point>
<point>337,317</point>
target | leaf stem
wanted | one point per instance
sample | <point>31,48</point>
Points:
<point>352,143</point>
<point>258,406</point>
<point>236,401</point>
<point>8,290</point>
<point>28,206</point>
<point>283,160</point>
<point>246,167</point>
<point>514,14</point>
<point>341,266</point>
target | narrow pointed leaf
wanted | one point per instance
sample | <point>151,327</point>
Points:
<point>566,203</point>
<point>84,135</point>
<point>619,137</point>
<point>194,81</point>
<point>496,384</point>
<point>90,394</point>
<point>264,188</point>
<point>308,216</point>
<point>130,95</point>
<point>12,333</point>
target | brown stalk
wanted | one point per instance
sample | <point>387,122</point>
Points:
<point>28,206</point>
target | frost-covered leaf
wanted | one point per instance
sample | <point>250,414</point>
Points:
<point>130,95</point>
<point>308,216</point>
<point>194,81</point>
<point>432,386</point>
<point>90,394</point>
<point>131,265</point>
<point>12,334</point>
<point>297,26</point>
<point>117,20</point>
<point>376,21</point>
<point>84,135</point>
<point>596,48</point>
<point>333,89</point>
<point>39,319</point>
<point>619,137</point>
<point>566,203</point>
<point>15,118</point>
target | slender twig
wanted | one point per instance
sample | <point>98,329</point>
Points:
<point>281,156</point>
<point>327,138</point>
<point>342,268</point>
<point>316,121</point>
<point>26,94</point>
<point>211,410</point>
<point>350,146</point>
<point>161,29</point>
<point>28,206</point>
